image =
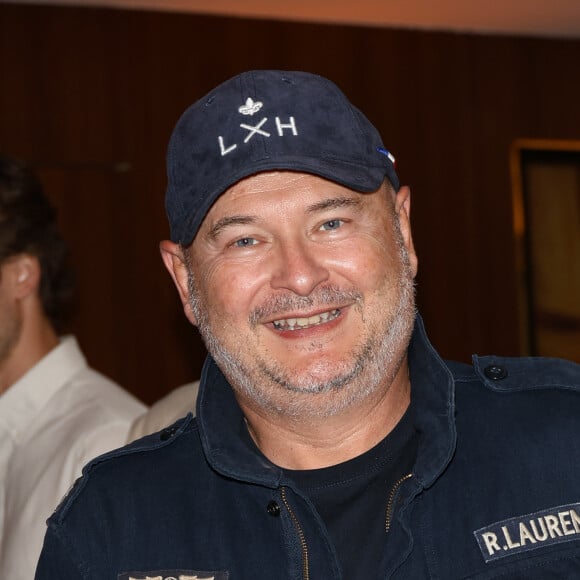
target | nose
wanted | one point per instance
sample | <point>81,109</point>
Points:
<point>299,268</point>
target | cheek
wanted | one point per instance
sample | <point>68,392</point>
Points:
<point>229,292</point>
<point>366,260</point>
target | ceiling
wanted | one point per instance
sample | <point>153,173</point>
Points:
<point>555,18</point>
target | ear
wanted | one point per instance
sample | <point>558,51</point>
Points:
<point>22,273</point>
<point>403,209</point>
<point>172,256</point>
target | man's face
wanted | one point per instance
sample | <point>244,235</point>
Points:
<point>303,291</point>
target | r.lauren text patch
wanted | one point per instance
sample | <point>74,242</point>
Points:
<point>529,532</point>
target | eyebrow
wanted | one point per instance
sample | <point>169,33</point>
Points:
<point>334,202</point>
<point>225,222</point>
<point>236,220</point>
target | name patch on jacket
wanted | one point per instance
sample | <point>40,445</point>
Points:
<point>529,532</point>
<point>174,575</point>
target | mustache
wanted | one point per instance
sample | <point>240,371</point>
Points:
<point>281,304</point>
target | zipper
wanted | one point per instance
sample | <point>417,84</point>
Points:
<point>391,501</point>
<point>305,567</point>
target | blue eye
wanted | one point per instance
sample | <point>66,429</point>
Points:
<point>331,225</point>
<point>245,242</point>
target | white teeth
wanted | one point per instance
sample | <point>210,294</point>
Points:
<point>294,323</point>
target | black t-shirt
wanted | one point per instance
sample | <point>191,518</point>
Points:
<point>352,498</point>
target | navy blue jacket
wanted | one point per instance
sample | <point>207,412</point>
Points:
<point>494,493</point>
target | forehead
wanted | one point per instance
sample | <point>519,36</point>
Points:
<point>272,181</point>
<point>276,190</point>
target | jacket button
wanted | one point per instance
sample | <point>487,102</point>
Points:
<point>167,433</point>
<point>273,509</point>
<point>495,372</point>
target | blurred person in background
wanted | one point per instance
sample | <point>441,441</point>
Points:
<point>56,413</point>
<point>164,412</point>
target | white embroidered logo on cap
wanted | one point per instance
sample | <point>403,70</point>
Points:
<point>250,107</point>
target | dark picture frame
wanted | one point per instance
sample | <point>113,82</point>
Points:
<point>546,222</point>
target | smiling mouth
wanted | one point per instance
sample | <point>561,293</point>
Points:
<point>302,323</point>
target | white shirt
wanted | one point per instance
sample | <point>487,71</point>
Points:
<point>166,411</point>
<point>53,420</point>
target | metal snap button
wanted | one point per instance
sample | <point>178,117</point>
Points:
<point>495,372</point>
<point>167,434</point>
<point>273,509</point>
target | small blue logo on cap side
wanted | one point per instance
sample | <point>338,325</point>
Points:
<point>387,153</point>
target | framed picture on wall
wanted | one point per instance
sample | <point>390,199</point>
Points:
<point>546,209</point>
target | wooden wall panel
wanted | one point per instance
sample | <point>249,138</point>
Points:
<point>91,95</point>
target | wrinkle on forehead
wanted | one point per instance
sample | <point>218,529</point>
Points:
<point>267,181</point>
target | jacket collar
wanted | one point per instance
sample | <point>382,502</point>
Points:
<point>433,399</point>
<point>225,440</point>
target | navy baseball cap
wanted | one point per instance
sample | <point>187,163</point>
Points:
<point>268,120</point>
